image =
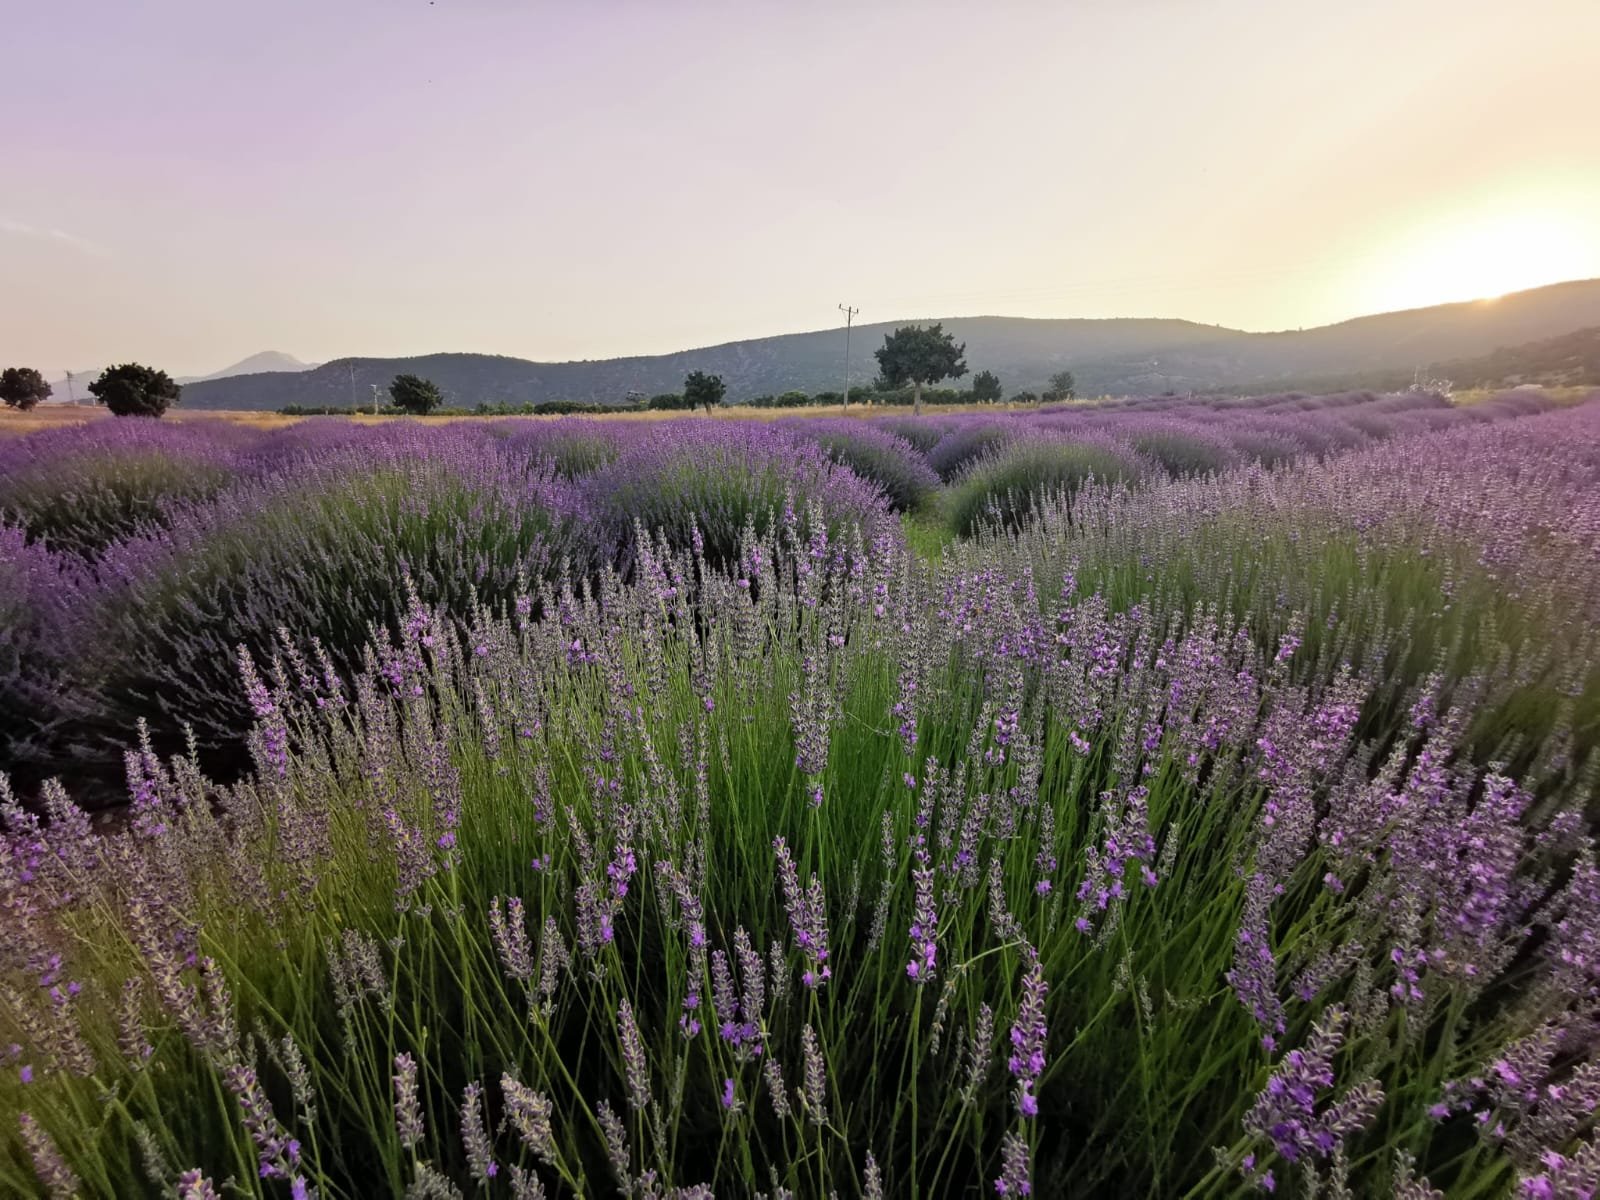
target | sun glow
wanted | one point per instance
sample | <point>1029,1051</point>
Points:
<point>1485,257</point>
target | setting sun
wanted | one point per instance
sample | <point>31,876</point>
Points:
<point>1485,257</point>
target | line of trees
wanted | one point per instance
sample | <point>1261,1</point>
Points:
<point>127,390</point>
<point>911,360</point>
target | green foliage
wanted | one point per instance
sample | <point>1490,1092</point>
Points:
<point>920,356</point>
<point>703,391</point>
<point>1061,387</point>
<point>134,390</point>
<point>795,399</point>
<point>23,387</point>
<point>562,408</point>
<point>1024,397</point>
<point>669,402</point>
<point>415,395</point>
<point>986,387</point>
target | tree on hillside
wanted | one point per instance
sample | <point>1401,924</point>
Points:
<point>700,388</point>
<point>135,390</point>
<point>415,395</point>
<point>986,387</point>
<point>22,387</point>
<point>920,356</point>
<point>1061,386</point>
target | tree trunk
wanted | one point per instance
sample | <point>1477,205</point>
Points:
<point>916,397</point>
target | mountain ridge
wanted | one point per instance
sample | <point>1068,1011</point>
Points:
<point>1107,355</point>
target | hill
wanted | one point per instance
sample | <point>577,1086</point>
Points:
<point>268,360</point>
<point>256,364</point>
<point>1107,356</point>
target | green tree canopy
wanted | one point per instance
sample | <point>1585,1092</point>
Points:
<point>918,356</point>
<point>986,387</point>
<point>135,390</point>
<point>1061,386</point>
<point>22,387</point>
<point>700,388</point>
<point>416,395</point>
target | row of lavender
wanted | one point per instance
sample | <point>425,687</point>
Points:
<point>135,558</point>
<point>1221,834</point>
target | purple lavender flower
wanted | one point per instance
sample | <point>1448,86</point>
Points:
<point>475,1135</point>
<point>1286,1111</point>
<point>808,917</point>
<point>1015,1167</point>
<point>1028,1038</point>
<point>407,1105</point>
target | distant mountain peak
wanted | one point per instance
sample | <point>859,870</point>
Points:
<point>256,364</point>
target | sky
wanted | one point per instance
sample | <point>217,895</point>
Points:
<point>187,182</point>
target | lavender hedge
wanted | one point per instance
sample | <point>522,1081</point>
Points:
<point>82,488</point>
<point>875,454</point>
<point>1007,485</point>
<point>317,558</point>
<point>1231,834</point>
<point>706,485</point>
<point>42,599</point>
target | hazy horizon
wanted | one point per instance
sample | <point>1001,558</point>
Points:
<point>192,185</point>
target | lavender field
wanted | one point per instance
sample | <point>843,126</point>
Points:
<point>1173,797</point>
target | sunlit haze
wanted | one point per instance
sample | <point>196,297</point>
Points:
<point>191,182</point>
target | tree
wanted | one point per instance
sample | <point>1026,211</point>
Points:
<point>700,388</point>
<point>1061,386</point>
<point>1024,398</point>
<point>920,356</point>
<point>134,390</point>
<point>22,387</point>
<point>986,387</point>
<point>415,395</point>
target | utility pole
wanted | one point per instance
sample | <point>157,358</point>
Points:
<point>71,398</point>
<point>849,315</point>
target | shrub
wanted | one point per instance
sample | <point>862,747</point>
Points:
<point>571,407</point>
<point>134,390</point>
<point>874,454</point>
<point>415,395</point>
<point>967,441</point>
<point>669,402</point>
<point>1009,483</point>
<point>82,488</point>
<point>41,605</point>
<point>922,432</point>
<point>572,448</point>
<point>1180,450</point>
<point>718,479</point>
<point>23,388</point>
<point>320,551</point>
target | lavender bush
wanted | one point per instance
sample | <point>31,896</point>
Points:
<point>317,557</point>
<point>79,489</point>
<point>704,485</point>
<point>875,454</point>
<point>572,446</point>
<point>969,440</point>
<point>923,433</point>
<point>1005,486</point>
<point>1225,835</point>
<point>41,601</point>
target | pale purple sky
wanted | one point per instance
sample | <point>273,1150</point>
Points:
<point>187,182</point>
